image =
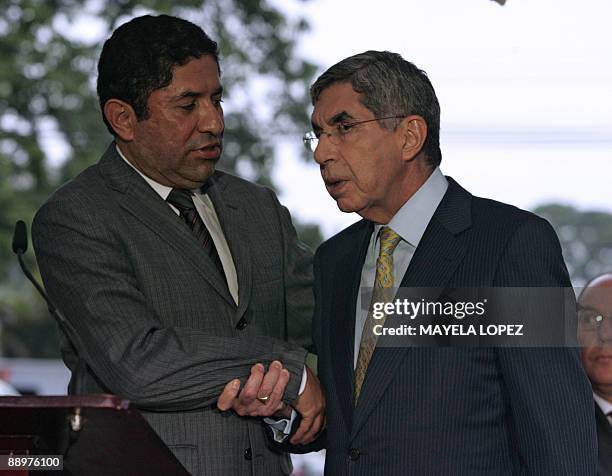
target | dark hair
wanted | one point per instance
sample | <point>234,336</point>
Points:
<point>139,56</point>
<point>389,85</point>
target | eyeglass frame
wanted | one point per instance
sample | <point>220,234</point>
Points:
<point>580,308</point>
<point>311,140</point>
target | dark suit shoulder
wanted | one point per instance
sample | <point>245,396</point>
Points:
<point>86,187</point>
<point>509,222</point>
<point>261,202</point>
<point>482,211</point>
<point>492,211</point>
<point>233,183</point>
<point>524,246</point>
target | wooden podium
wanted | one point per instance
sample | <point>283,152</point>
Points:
<point>95,434</point>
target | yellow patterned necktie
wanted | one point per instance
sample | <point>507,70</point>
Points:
<point>383,287</point>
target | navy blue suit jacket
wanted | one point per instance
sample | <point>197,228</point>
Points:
<point>451,410</point>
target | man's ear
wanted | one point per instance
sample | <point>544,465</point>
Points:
<point>413,131</point>
<point>122,118</point>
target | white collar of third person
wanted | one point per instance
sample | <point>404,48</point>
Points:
<point>605,405</point>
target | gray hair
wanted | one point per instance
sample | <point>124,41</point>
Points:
<point>389,85</point>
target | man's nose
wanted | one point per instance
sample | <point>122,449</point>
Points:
<point>326,149</point>
<point>211,120</point>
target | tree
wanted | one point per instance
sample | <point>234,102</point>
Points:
<point>48,100</point>
<point>586,239</point>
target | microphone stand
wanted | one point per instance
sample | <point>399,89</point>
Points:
<point>20,245</point>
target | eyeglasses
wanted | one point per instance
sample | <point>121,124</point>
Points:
<point>339,133</point>
<point>591,319</point>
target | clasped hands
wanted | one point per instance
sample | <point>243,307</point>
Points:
<point>262,393</point>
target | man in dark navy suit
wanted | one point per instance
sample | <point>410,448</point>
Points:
<point>427,410</point>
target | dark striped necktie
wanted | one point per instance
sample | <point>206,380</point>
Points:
<point>182,200</point>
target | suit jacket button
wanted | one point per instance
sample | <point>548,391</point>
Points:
<point>354,454</point>
<point>248,454</point>
<point>242,323</point>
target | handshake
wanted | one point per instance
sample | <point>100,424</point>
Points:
<point>262,394</point>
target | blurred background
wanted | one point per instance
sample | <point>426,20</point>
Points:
<point>524,89</point>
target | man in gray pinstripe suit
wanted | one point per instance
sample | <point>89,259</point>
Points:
<point>175,277</point>
<point>426,410</point>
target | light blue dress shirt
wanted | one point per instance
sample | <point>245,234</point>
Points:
<point>410,223</point>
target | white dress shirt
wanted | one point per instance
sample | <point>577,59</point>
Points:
<point>410,223</point>
<point>605,405</point>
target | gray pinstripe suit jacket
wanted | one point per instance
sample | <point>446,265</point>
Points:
<point>157,325</point>
<point>453,411</point>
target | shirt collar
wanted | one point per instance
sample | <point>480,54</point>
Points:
<point>162,190</point>
<point>412,218</point>
<point>605,405</point>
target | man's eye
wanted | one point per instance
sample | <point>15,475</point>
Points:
<point>217,102</point>
<point>188,107</point>
<point>344,127</point>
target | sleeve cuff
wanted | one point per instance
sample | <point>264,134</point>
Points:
<point>303,383</point>
<point>293,359</point>
<point>281,428</point>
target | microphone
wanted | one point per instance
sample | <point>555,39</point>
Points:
<point>20,245</point>
<point>20,238</point>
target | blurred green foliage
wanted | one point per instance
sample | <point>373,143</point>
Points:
<point>48,57</point>
<point>47,102</point>
<point>586,239</point>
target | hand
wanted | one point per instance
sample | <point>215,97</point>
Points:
<point>259,385</point>
<point>311,406</point>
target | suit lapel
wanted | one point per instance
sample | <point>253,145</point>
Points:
<point>138,199</point>
<point>232,218</point>
<point>434,261</point>
<point>344,289</point>
<point>435,258</point>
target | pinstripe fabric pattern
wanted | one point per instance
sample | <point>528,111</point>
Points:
<point>156,320</point>
<point>383,285</point>
<point>459,411</point>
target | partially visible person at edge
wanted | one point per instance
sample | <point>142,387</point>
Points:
<point>595,336</point>
<point>177,278</point>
